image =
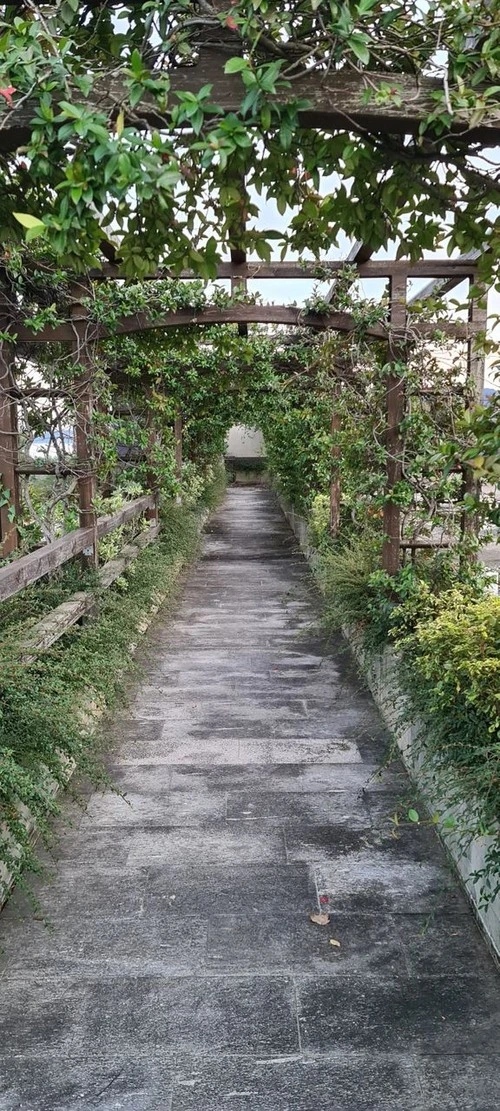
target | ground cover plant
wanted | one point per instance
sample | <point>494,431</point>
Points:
<point>50,707</point>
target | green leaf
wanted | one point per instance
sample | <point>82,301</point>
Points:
<point>360,49</point>
<point>235,65</point>
<point>28,221</point>
<point>413,815</point>
<point>33,233</point>
<point>71,110</point>
<point>136,64</point>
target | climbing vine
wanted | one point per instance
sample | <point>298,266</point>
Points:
<point>77,79</point>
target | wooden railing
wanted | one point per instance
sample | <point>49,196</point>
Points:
<point>28,569</point>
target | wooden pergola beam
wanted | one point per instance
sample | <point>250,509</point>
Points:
<point>346,100</point>
<point>232,314</point>
<point>360,252</point>
<point>379,268</point>
<point>441,285</point>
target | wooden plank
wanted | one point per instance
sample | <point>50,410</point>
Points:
<point>248,314</point>
<point>82,353</point>
<point>345,99</point>
<point>395,396</point>
<point>56,469</point>
<point>360,252</point>
<point>478,319</point>
<point>115,567</point>
<point>132,509</point>
<point>178,454</point>
<point>410,545</point>
<point>378,268</point>
<point>8,454</point>
<point>47,631</point>
<point>38,392</point>
<point>28,569</point>
<point>441,285</point>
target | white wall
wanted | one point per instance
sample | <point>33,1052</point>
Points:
<point>245,443</point>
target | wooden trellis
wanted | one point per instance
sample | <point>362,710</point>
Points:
<point>82,337</point>
<point>336,100</point>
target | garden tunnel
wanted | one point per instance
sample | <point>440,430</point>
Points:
<point>161,166</point>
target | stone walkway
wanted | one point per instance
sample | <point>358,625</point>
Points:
<point>182,971</point>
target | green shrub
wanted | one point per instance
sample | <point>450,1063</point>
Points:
<point>451,671</point>
<point>345,581</point>
<point>41,730</point>
<point>319,520</point>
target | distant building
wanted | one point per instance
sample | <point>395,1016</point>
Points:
<point>245,455</point>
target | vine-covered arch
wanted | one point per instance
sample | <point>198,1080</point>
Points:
<point>136,139</point>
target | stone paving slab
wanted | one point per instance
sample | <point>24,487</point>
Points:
<point>180,969</point>
<point>447,1014</point>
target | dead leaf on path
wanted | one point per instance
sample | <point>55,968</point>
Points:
<point>320,919</point>
<point>333,941</point>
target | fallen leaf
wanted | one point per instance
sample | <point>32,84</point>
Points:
<point>333,941</point>
<point>320,919</point>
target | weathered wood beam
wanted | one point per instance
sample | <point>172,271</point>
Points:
<point>9,481</point>
<point>128,512</point>
<point>441,285</point>
<point>28,569</point>
<point>380,268</point>
<point>360,252</point>
<point>346,99</point>
<point>478,319</point>
<point>395,400</point>
<point>236,314</point>
<point>83,356</point>
<point>38,393</point>
<point>47,631</point>
<point>178,454</point>
<point>55,469</point>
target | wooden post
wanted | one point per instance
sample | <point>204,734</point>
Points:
<point>478,319</point>
<point>395,412</point>
<point>151,478</point>
<point>83,425</point>
<point>335,487</point>
<point>9,478</point>
<point>238,253</point>
<point>178,453</point>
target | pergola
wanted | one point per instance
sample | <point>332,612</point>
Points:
<point>335,101</point>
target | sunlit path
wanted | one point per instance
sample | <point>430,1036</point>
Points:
<point>182,971</point>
